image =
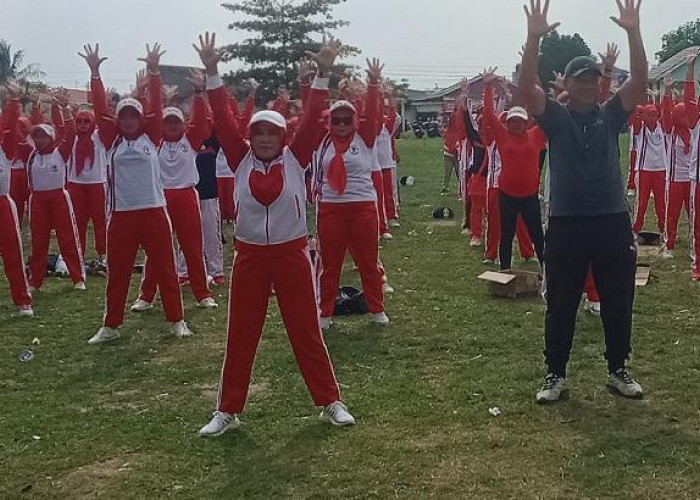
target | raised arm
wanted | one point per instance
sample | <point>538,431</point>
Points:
<point>633,91</point>
<point>227,132</point>
<point>491,121</point>
<point>106,124</point>
<point>667,108</point>
<point>691,105</point>
<point>305,139</point>
<point>537,27</point>
<point>10,117</point>
<point>65,144</point>
<point>368,123</point>
<point>197,127</point>
<point>154,118</point>
<point>609,59</point>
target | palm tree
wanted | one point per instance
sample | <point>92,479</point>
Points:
<point>11,65</point>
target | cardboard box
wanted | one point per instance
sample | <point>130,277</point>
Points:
<point>643,274</point>
<point>512,284</point>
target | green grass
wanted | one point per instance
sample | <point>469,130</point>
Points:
<point>121,420</point>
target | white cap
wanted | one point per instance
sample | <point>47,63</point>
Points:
<point>47,129</point>
<point>129,102</point>
<point>270,117</point>
<point>517,112</point>
<point>342,104</point>
<point>173,111</point>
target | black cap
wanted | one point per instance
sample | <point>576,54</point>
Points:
<point>581,65</point>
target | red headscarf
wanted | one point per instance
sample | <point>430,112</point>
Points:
<point>85,147</point>
<point>680,125</point>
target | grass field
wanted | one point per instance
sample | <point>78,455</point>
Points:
<point>121,420</point>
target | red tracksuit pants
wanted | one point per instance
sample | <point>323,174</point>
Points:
<point>390,204</point>
<point>126,233</point>
<point>53,210</point>
<point>341,226</point>
<point>186,218</point>
<point>493,229</point>
<point>695,224</point>
<point>287,268</point>
<point>678,196</point>
<point>11,252</point>
<point>89,205</point>
<point>651,182</point>
<point>381,204</point>
<point>19,191</point>
<point>224,189</point>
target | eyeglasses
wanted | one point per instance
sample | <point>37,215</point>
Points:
<point>342,121</point>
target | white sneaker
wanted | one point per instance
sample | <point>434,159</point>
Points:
<point>104,334</point>
<point>591,307</point>
<point>466,231</point>
<point>475,242</point>
<point>219,423</point>
<point>387,236</point>
<point>80,286</point>
<point>667,254</point>
<point>208,303</point>
<point>380,318</point>
<point>552,389</point>
<point>394,223</point>
<point>337,414</point>
<point>488,262</point>
<point>141,306</point>
<point>326,323</point>
<point>387,288</point>
<point>631,192</point>
<point>625,385</point>
<point>26,312</point>
<point>181,330</point>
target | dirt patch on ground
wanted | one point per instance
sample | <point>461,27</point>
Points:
<point>95,479</point>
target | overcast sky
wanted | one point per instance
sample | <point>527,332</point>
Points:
<point>429,42</point>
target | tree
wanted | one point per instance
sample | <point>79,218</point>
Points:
<point>282,33</point>
<point>556,51</point>
<point>11,65</point>
<point>686,35</point>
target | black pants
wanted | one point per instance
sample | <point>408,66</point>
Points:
<point>529,208</point>
<point>573,245</point>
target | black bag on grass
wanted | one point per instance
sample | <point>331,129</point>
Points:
<point>350,302</point>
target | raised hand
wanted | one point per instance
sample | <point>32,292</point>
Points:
<point>141,82</point>
<point>537,24</point>
<point>610,57</point>
<point>692,55</point>
<point>152,58</point>
<point>489,76</point>
<point>325,58</point>
<point>374,70</point>
<point>283,93</point>
<point>558,83</point>
<point>60,97</point>
<point>197,80</point>
<point>629,15</point>
<point>13,90</point>
<point>169,94</point>
<point>208,54</point>
<point>306,70</point>
<point>668,83</point>
<point>92,58</point>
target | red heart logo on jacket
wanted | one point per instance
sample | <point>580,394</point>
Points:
<point>267,187</point>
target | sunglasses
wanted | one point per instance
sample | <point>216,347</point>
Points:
<point>342,121</point>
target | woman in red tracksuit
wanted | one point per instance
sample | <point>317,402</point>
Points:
<point>271,240</point>
<point>693,114</point>
<point>347,210</point>
<point>137,214</point>
<point>520,147</point>
<point>177,156</point>
<point>87,179</point>
<point>19,184</point>
<point>50,206</point>
<point>10,236</point>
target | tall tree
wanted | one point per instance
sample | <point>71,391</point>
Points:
<point>686,35</point>
<point>556,51</point>
<point>281,33</point>
<point>11,65</point>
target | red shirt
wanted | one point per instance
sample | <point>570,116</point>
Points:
<point>520,155</point>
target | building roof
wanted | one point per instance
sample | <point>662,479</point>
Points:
<point>659,71</point>
<point>474,83</point>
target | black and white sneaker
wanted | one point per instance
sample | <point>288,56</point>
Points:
<point>621,382</point>
<point>552,390</point>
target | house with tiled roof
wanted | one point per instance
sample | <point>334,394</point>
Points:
<point>676,67</point>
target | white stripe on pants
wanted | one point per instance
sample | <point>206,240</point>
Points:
<point>213,248</point>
